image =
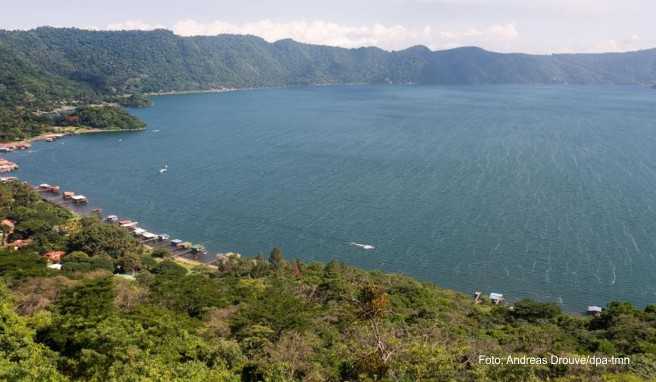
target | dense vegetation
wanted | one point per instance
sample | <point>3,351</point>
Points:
<point>133,100</point>
<point>256,319</point>
<point>22,124</point>
<point>18,124</point>
<point>53,63</point>
<point>100,117</point>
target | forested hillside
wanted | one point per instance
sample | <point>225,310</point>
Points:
<point>45,68</point>
<point>117,310</point>
<point>48,62</point>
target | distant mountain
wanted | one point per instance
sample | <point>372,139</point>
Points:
<point>55,62</point>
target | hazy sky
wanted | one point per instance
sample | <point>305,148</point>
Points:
<point>534,26</point>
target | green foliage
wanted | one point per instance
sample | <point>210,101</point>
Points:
<point>20,265</point>
<point>169,268</point>
<point>134,100</point>
<point>81,262</point>
<point>101,117</point>
<point>21,359</point>
<point>192,295</point>
<point>629,329</point>
<point>35,218</point>
<point>278,308</point>
<point>533,311</point>
<point>161,253</point>
<point>96,238</point>
<point>276,258</point>
<point>93,300</point>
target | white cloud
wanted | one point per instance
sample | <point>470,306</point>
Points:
<point>133,25</point>
<point>622,45</point>
<point>384,36</point>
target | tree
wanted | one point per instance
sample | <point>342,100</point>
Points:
<point>21,359</point>
<point>533,311</point>
<point>96,238</point>
<point>276,258</point>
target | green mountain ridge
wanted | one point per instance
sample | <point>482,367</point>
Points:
<point>64,62</point>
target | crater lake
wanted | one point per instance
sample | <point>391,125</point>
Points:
<point>547,192</point>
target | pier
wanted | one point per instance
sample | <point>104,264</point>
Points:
<point>79,204</point>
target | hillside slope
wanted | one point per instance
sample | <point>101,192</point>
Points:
<point>138,61</point>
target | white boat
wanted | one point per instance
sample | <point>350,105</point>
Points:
<point>164,169</point>
<point>366,247</point>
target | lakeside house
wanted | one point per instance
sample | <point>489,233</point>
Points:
<point>496,298</point>
<point>222,258</point>
<point>18,244</point>
<point>54,256</point>
<point>129,224</point>
<point>594,310</point>
<point>10,147</point>
<point>79,199</point>
<point>7,179</point>
<point>111,219</point>
<point>184,245</point>
<point>198,249</point>
<point>44,187</point>
<point>68,195</point>
<point>7,166</point>
<point>148,235</point>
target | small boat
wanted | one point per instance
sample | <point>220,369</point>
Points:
<point>366,247</point>
<point>164,169</point>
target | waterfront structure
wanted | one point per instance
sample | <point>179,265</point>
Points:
<point>54,256</point>
<point>496,298</point>
<point>79,199</point>
<point>594,310</point>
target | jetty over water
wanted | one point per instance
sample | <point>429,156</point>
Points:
<point>79,204</point>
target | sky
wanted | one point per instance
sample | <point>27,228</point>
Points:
<point>529,26</point>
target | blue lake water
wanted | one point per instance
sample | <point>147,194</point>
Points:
<point>543,192</point>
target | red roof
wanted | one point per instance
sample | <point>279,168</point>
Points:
<point>8,223</point>
<point>54,256</point>
<point>20,243</point>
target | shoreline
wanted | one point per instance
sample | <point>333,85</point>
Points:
<point>89,210</point>
<point>58,135</point>
<point>179,257</point>
<point>196,91</point>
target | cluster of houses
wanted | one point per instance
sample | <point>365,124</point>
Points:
<point>7,179</point>
<point>67,195</point>
<point>147,236</point>
<point>7,227</point>
<point>9,147</point>
<point>497,299</point>
<point>7,166</point>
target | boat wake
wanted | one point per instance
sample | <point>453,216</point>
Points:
<point>366,247</point>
